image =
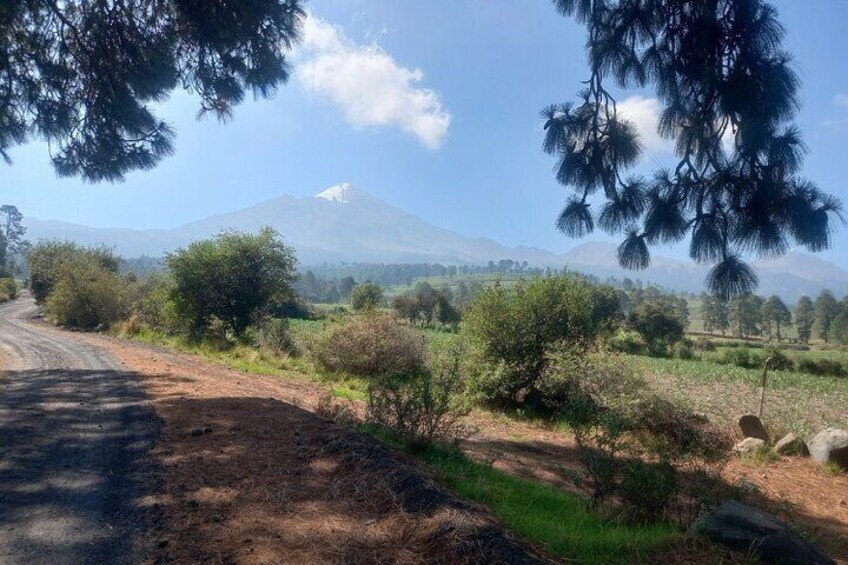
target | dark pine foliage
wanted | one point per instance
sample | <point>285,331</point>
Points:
<point>80,74</point>
<point>721,75</point>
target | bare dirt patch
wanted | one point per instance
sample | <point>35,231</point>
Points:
<point>251,477</point>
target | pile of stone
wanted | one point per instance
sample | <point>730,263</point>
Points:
<point>827,446</point>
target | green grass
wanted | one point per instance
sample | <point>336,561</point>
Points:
<point>560,522</point>
<point>760,458</point>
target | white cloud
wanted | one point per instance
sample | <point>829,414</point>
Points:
<point>644,113</point>
<point>841,100</point>
<point>368,85</point>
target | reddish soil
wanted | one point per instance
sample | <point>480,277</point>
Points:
<point>270,483</point>
<point>250,476</point>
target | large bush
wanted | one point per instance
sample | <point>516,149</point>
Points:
<point>513,328</point>
<point>370,346</point>
<point>659,323</point>
<point>233,278</point>
<point>86,295</point>
<point>45,262</point>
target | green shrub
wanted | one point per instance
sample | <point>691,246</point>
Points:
<point>233,278</point>
<point>152,304</point>
<point>421,408</point>
<point>659,323</point>
<point>683,350</point>
<point>822,367</point>
<point>370,346</point>
<point>647,489</point>
<point>8,289</point>
<point>217,334</point>
<point>274,335</point>
<point>704,344</point>
<point>45,262</point>
<point>366,296</point>
<point>85,295</point>
<point>512,328</point>
<point>739,356</point>
<point>779,360</point>
<point>627,341</point>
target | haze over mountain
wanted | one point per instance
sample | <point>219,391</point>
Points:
<point>344,223</point>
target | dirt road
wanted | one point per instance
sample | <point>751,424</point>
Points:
<point>75,431</point>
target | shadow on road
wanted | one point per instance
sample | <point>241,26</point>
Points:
<point>74,464</point>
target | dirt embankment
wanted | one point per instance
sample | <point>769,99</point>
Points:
<point>251,475</point>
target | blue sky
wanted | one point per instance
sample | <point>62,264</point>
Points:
<point>431,106</point>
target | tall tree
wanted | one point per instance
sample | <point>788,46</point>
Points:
<point>805,317</point>
<point>12,233</point>
<point>774,315</point>
<point>839,329</point>
<point>713,312</point>
<point>827,308</point>
<point>81,75</point>
<point>723,79</point>
<point>745,314</point>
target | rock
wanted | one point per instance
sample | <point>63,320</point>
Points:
<point>830,446</point>
<point>198,431</point>
<point>749,445</point>
<point>791,444</point>
<point>747,529</point>
<point>751,426</point>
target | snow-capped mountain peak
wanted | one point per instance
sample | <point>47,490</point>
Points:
<point>342,193</point>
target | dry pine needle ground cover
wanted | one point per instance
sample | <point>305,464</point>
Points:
<point>266,480</point>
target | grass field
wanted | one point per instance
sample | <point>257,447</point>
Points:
<point>796,402</point>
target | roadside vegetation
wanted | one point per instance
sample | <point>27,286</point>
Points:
<point>648,405</point>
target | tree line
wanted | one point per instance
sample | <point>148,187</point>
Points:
<point>824,318</point>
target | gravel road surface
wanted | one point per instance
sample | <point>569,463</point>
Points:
<point>75,431</point>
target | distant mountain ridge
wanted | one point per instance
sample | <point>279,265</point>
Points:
<point>345,223</point>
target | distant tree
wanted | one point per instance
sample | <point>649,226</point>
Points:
<point>83,75</point>
<point>839,329</point>
<point>775,314</point>
<point>366,296</point>
<point>446,314</point>
<point>12,233</point>
<point>427,297</point>
<point>745,314</point>
<point>234,277</point>
<point>721,74</point>
<point>407,306</point>
<point>826,309</point>
<point>805,317</point>
<point>346,284</point>
<point>708,312</point>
